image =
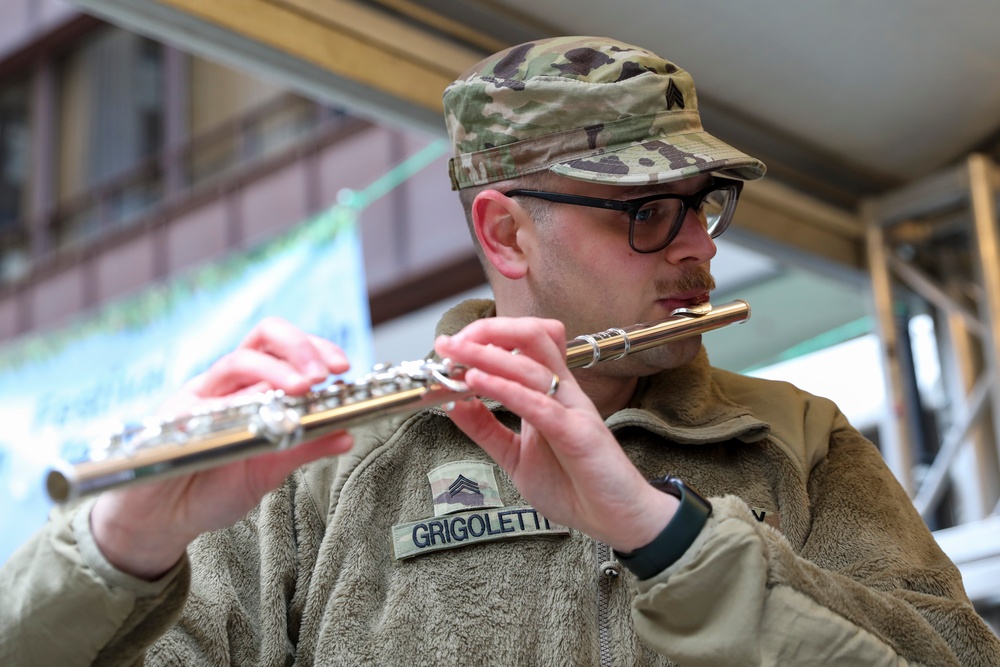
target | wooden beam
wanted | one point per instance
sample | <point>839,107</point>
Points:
<point>354,42</point>
<point>483,39</point>
<point>778,221</point>
<point>383,30</point>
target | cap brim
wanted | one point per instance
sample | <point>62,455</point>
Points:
<point>664,159</point>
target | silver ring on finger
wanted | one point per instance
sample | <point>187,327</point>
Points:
<point>554,386</point>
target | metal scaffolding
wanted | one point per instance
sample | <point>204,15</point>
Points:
<point>934,253</point>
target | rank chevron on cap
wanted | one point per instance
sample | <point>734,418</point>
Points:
<point>675,98</point>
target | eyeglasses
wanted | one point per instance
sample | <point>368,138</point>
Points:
<point>655,221</point>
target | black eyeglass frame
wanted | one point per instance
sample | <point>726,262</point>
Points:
<point>632,206</point>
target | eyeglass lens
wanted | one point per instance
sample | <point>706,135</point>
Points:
<point>659,221</point>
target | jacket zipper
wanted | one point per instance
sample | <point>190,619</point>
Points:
<point>604,582</point>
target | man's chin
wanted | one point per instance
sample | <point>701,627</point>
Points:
<point>672,354</point>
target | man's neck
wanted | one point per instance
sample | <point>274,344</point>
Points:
<point>609,394</point>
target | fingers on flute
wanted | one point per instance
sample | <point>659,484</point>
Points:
<point>309,355</point>
<point>521,398</point>
<point>487,345</point>
<point>334,358</point>
<point>523,333</point>
<point>244,368</point>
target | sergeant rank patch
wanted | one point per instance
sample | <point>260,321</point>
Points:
<point>467,510</point>
<point>770,517</point>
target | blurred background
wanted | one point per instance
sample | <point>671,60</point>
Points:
<point>172,171</point>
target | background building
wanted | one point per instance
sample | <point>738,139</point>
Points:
<point>124,161</point>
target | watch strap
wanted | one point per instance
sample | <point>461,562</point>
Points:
<point>678,535</point>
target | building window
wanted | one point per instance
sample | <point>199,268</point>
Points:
<point>111,133</point>
<point>111,120</point>
<point>14,165</point>
<point>235,118</point>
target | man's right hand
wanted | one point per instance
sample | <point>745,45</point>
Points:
<point>144,530</point>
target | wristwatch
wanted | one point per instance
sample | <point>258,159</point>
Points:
<point>667,547</point>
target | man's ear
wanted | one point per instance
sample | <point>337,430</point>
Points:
<point>497,220</point>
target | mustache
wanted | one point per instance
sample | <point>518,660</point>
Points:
<point>698,279</point>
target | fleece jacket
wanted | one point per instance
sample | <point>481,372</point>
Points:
<point>415,549</point>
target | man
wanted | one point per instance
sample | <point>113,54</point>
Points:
<point>593,194</point>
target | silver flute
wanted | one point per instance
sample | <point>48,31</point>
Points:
<point>239,427</point>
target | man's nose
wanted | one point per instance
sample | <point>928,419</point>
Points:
<point>692,243</point>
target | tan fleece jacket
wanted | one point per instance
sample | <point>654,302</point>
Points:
<point>813,556</point>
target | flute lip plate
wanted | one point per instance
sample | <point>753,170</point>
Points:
<point>696,310</point>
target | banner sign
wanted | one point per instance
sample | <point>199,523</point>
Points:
<point>60,389</point>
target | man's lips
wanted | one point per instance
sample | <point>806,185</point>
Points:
<point>683,300</point>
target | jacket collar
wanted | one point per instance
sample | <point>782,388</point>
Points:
<point>685,404</point>
<point>688,406</point>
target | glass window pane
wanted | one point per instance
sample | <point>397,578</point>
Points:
<point>15,254</point>
<point>14,154</point>
<point>221,96</point>
<point>111,131</point>
<point>234,118</point>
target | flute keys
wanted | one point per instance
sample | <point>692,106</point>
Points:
<point>361,389</point>
<point>276,422</point>
<point>105,447</point>
<point>199,424</point>
<point>384,387</point>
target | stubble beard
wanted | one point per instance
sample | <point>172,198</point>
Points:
<point>698,279</point>
<point>673,353</point>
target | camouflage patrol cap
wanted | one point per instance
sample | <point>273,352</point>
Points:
<point>588,108</point>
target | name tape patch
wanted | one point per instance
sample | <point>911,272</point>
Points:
<point>465,528</point>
